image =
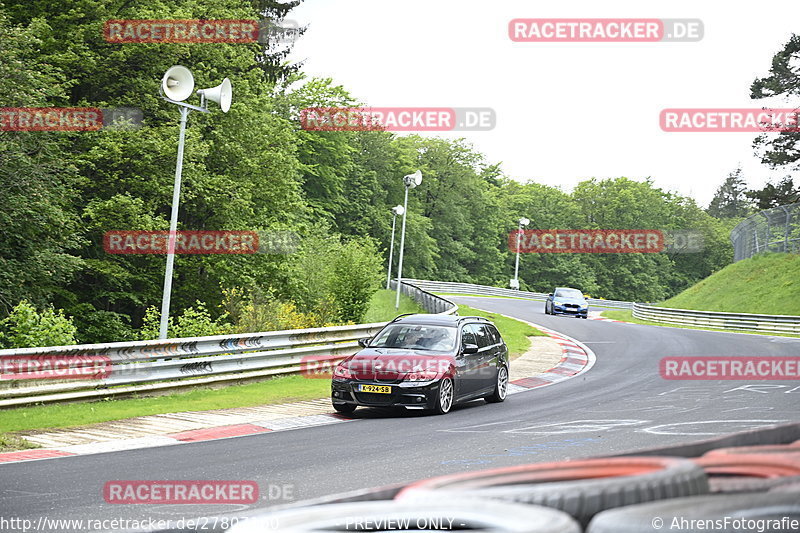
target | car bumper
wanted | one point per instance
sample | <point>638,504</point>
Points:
<point>411,395</point>
<point>571,312</point>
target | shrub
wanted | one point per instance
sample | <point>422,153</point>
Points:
<point>25,327</point>
<point>193,322</point>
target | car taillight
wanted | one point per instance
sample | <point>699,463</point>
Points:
<point>423,375</point>
<point>342,372</point>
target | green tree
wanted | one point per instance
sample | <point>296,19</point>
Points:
<point>730,200</point>
<point>240,168</point>
<point>775,194</point>
<point>783,81</point>
<point>25,327</point>
<point>38,186</point>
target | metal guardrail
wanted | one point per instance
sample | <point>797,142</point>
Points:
<point>713,319</point>
<point>146,366</point>
<point>710,319</point>
<point>483,290</point>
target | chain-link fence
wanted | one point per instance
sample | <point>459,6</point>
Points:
<point>773,230</point>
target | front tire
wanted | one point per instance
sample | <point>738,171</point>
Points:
<point>500,388</point>
<point>344,408</point>
<point>444,400</point>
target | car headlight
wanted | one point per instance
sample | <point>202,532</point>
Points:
<point>422,375</point>
<point>342,372</point>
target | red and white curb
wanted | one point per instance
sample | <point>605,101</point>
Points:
<point>197,435</point>
<point>596,315</point>
<point>576,359</point>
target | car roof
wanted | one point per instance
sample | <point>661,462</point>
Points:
<point>438,320</point>
<point>567,288</point>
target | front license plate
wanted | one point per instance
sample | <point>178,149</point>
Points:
<point>380,389</point>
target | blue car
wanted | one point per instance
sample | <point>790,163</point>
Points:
<point>566,301</point>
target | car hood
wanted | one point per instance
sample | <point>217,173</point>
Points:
<point>562,300</point>
<point>390,363</point>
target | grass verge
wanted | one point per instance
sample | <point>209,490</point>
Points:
<point>514,332</point>
<point>381,307</point>
<point>764,284</point>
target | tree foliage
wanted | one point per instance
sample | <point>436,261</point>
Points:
<point>731,199</point>
<point>781,150</point>
<point>255,168</point>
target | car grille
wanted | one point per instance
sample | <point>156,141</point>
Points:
<point>374,398</point>
<point>387,379</point>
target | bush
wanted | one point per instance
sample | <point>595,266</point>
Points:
<point>98,326</point>
<point>256,311</point>
<point>335,280</point>
<point>193,322</point>
<point>25,327</point>
<point>356,275</point>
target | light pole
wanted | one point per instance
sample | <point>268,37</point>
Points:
<point>176,86</point>
<point>522,223</point>
<point>396,210</point>
<point>410,181</point>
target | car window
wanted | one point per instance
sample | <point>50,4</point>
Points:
<point>482,335</point>
<point>468,336</point>
<point>416,336</point>
<point>495,335</point>
<point>569,293</point>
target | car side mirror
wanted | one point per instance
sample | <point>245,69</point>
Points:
<point>364,342</point>
<point>550,295</point>
<point>470,348</point>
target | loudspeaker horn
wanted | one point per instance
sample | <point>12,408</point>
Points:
<point>177,83</point>
<point>221,94</point>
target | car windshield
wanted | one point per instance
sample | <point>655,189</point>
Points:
<point>569,293</point>
<point>416,337</point>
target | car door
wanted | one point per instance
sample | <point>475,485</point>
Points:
<point>468,363</point>
<point>501,350</point>
<point>486,369</point>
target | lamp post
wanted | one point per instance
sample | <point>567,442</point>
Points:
<point>522,223</point>
<point>176,86</point>
<point>410,181</point>
<point>396,210</point>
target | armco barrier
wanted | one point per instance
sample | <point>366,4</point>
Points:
<point>712,319</point>
<point>483,290</point>
<point>686,317</point>
<point>143,366</point>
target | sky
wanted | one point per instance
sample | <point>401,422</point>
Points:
<point>566,112</point>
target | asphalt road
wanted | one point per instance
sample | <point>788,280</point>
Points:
<point>621,404</point>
